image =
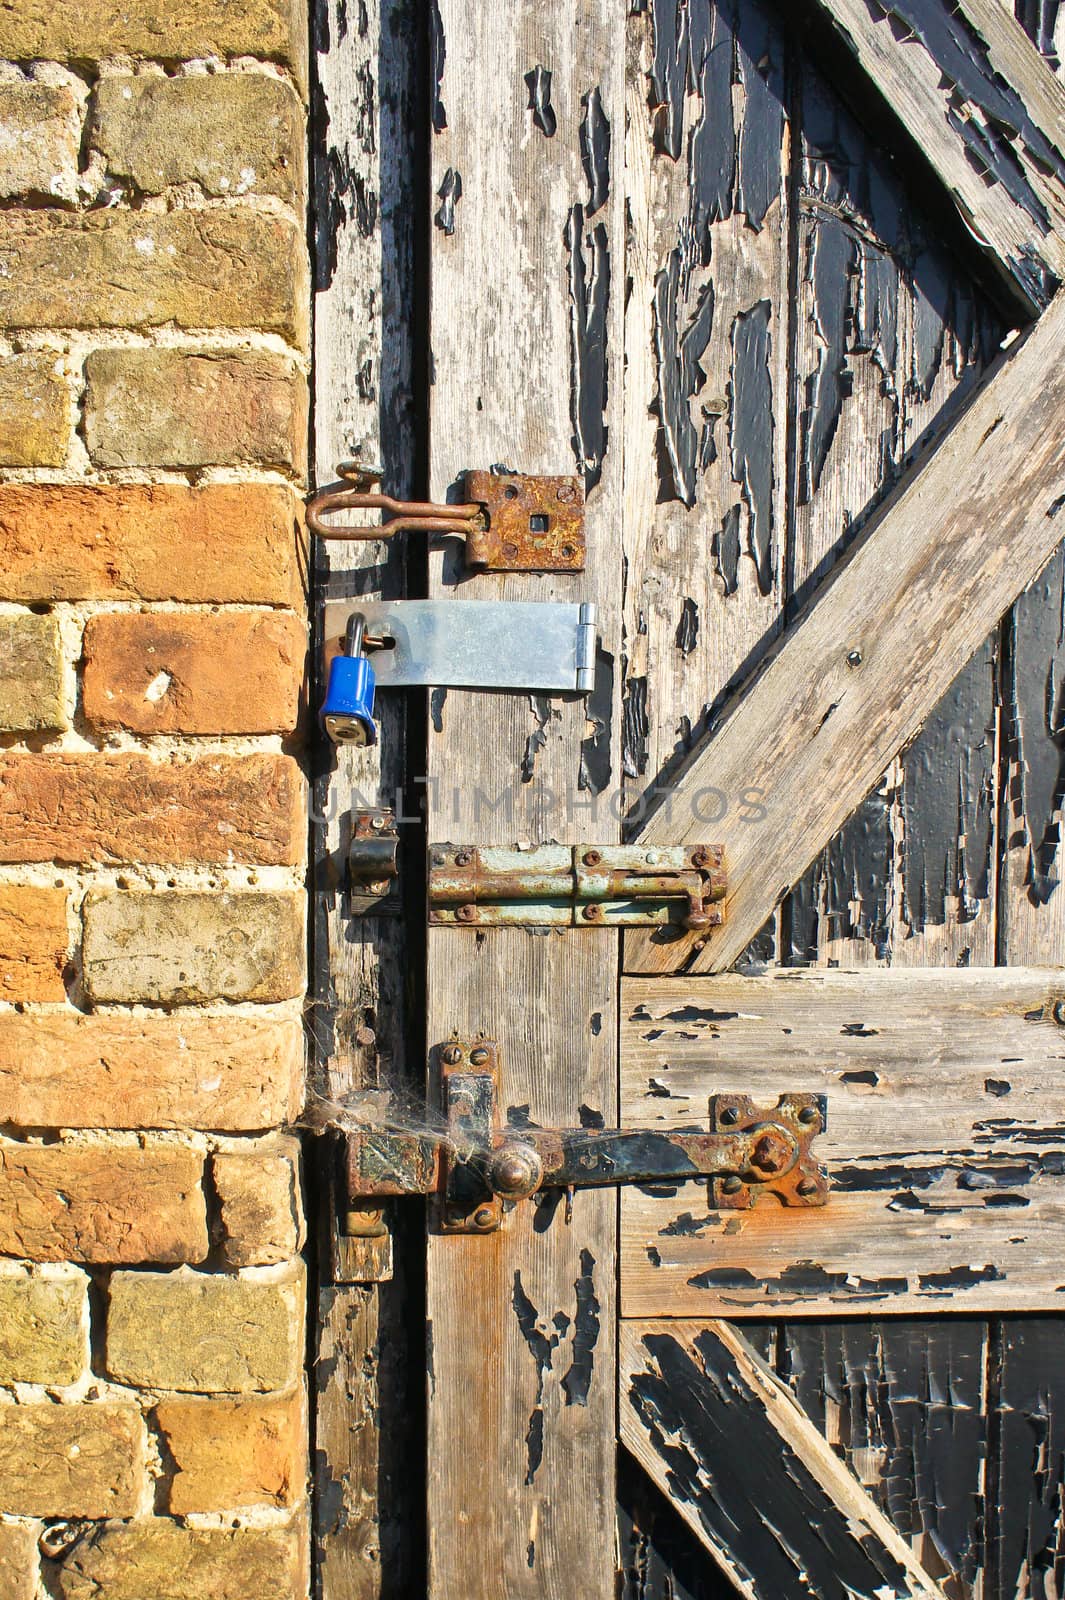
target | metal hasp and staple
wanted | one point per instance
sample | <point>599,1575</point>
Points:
<point>582,886</point>
<point>478,1169</point>
<point>545,647</point>
<point>511,521</point>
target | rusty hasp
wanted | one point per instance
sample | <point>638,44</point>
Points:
<point>511,521</point>
<point>478,1169</point>
<point>579,886</point>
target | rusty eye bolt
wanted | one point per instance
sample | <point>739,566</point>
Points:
<point>420,516</point>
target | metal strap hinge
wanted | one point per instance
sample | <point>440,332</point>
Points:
<point>583,886</point>
<point>546,647</point>
<point>478,1169</point>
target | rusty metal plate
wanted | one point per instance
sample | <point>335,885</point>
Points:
<point>531,523</point>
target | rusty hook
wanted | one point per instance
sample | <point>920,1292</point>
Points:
<point>419,516</point>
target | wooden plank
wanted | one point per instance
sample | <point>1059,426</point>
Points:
<point>879,645</point>
<point>1027,1529</point>
<point>888,332</point>
<point>707,165</point>
<point>364,363</point>
<point>944,1141</point>
<point>527,301</point>
<point>984,111</point>
<point>902,1400</point>
<point>750,1473</point>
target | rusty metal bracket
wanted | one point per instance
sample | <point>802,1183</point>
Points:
<point>478,1169</point>
<point>373,862</point>
<point>511,521</point>
<point>582,886</point>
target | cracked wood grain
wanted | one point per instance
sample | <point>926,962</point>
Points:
<point>945,1116</point>
<point>889,333</point>
<point>751,1474</point>
<point>985,111</point>
<point>363,219</point>
<point>707,153</point>
<point>879,644</point>
<point>527,297</point>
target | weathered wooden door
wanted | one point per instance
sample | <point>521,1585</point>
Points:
<point>783,289</point>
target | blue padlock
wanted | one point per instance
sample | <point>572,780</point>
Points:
<point>347,710</point>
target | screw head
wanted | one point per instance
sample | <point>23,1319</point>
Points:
<point>438,858</point>
<point>854,658</point>
<point>462,858</point>
<point>592,858</point>
<point>484,1218</point>
<point>510,552</point>
<point>568,552</point>
<point>465,913</point>
<point>1058,1012</point>
<point>478,1057</point>
<point>806,1187</point>
<point>731,1185</point>
<point>377,823</point>
<point>809,1115</point>
<point>702,858</point>
<point>452,1055</point>
<point>729,1116</point>
<point>592,913</point>
<point>566,493</point>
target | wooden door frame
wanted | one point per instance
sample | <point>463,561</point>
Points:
<point>1023,255</point>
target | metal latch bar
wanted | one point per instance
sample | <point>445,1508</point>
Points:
<point>539,646</point>
<point>580,885</point>
<point>511,521</point>
<point>478,1169</point>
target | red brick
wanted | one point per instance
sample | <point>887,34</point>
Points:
<point>233,1453</point>
<point>233,672</point>
<point>33,942</point>
<point>222,542</point>
<point>156,1558</point>
<point>229,1073</point>
<point>125,808</point>
<point>102,1203</point>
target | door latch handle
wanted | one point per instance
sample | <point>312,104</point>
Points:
<point>478,1170</point>
<point>511,521</point>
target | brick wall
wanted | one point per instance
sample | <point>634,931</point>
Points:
<point>153,417</point>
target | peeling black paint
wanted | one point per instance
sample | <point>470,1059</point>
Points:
<point>907,1394</point>
<point>687,1226</point>
<point>589,297</point>
<point>703,48</point>
<point>595,149</point>
<point>830,261</point>
<point>542,710</point>
<point>538,83</point>
<point>578,1380</point>
<point>967,1277</point>
<point>687,635</point>
<point>594,769</point>
<point>1039,19</point>
<point>751,434</point>
<point>449,194</point>
<point>802,1281</point>
<point>985,112</point>
<point>437,57</point>
<point>949,798</point>
<point>635,728</point>
<point>683,451</point>
<point>341,193</point>
<point>870,1079</point>
<point>783,1531</point>
<point>542,1349</point>
<point>849,887</point>
<point>1027,1476</point>
<point>1035,727</point>
<point>997,1087</point>
<point>660,1556</point>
